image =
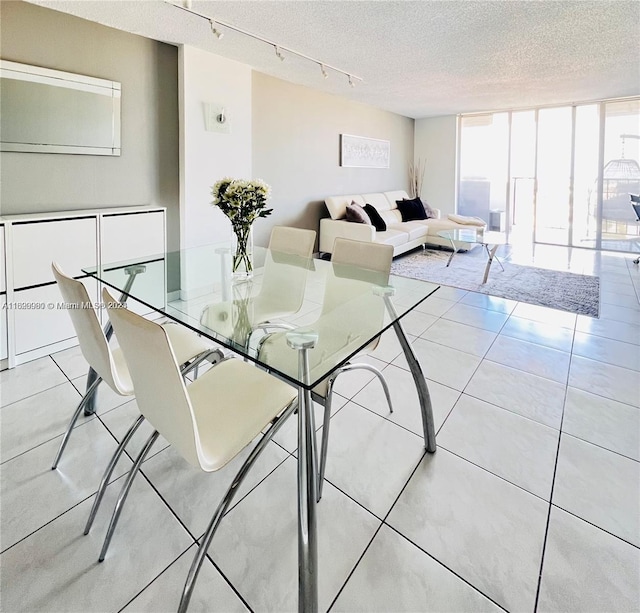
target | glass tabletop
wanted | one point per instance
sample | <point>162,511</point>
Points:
<point>347,307</point>
<point>473,235</point>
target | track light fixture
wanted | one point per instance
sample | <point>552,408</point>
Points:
<point>214,30</point>
<point>186,5</point>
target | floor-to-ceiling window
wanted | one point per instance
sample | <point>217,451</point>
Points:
<point>559,175</point>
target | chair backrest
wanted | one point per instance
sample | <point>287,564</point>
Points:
<point>285,273</point>
<point>292,240</point>
<point>161,395</point>
<point>93,343</point>
<point>355,261</point>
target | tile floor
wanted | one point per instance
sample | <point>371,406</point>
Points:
<point>531,503</point>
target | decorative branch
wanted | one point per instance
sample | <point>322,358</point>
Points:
<point>416,178</point>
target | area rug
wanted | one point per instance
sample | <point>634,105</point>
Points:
<point>550,288</point>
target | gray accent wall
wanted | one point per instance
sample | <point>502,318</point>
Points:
<point>296,150</point>
<point>147,172</point>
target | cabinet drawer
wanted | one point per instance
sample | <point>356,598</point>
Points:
<point>45,322</point>
<point>127,237</point>
<point>72,243</point>
<point>3,272</point>
<point>3,328</point>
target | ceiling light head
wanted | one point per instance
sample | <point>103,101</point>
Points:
<point>214,30</point>
<point>279,54</point>
<point>323,70</point>
<point>351,81</point>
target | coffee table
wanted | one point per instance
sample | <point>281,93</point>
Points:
<point>475,236</point>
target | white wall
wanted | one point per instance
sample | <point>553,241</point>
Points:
<point>205,156</point>
<point>435,144</point>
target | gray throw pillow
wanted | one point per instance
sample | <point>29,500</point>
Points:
<point>431,214</point>
<point>356,214</point>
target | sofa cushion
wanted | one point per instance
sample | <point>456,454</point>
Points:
<point>411,210</point>
<point>431,214</point>
<point>392,237</point>
<point>377,200</point>
<point>391,217</point>
<point>337,205</point>
<point>436,225</point>
<point>467,221</point>
<point>375,218</point>
<point>356,214</point>
<point>414,229</point>
<point>399,194</point>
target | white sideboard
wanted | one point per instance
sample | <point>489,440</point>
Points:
<point>32,320</point>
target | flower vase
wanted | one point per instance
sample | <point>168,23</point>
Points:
<point>242,251</point>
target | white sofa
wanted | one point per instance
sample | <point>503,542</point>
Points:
<point>403,235</point>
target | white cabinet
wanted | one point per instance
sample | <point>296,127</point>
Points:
<point>72,243</point>
<point>3,299</point>
<point>129,236</point>
<point>36,324</point>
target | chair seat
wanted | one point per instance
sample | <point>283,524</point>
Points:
<point>186,344</point>
<point>232,403</point>
<point>125,385</point>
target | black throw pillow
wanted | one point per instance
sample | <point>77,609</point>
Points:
<point>411,210</point>
<point>376,220</point>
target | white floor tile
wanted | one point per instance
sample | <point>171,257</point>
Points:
<point>603,422</point>
<point>448,366</point>
<point>106,398</point>
<point>617,330</point>
<point>33,494</point>
<point>587,570</point>
<point>256,544</point>
<point>548,335</point>
<point>517,449</point>
<point>163,595</point>
<point>607,350</point>
<point>491,303</point>
<point>57,568</point>
<point>529,357</point>
<point>472,521</point>
<point>29,379</point>
<point>193,494</point>
<point>474,316</point>
<point>434,305</point>
<point>545,315</point>
<point>584,486</point>
<point>370,458</point>
<point>71,362</point>
<point>38,418</point>
<point>621,384</point>
<point>460,336</point>
<point>395,575</point>
<point>528,395</point>
<point>404,398</point>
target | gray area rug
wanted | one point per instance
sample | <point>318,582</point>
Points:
<point>566,291</point>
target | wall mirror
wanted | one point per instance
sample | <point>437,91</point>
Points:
<point>50,111</point>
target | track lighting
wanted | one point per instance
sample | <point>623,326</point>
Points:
<point>186,5</point>
<point>217,33</point>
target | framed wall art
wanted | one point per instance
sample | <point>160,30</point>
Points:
<point>362,152</point>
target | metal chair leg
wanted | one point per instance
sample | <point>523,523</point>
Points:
<point>109,470</point>
<point>196,565</point>
<point>327,413</point>
<point>72,423</point>
<point>122,497</point>
<point>325,434</point>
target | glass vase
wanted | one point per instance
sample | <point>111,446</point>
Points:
<point>242,252</point>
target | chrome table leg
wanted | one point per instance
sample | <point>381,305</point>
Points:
<point>426,408</point>
<point>132,272</point>
<point>307,480</point>
<point>455,250</point>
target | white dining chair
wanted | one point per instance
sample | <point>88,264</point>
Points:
<point>208,422</point>
<point>356,266</point>
<point>108,362</point>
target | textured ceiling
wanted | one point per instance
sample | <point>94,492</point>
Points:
<point>419,59</point>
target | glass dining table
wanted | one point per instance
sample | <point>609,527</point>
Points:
<point>300,319</point>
